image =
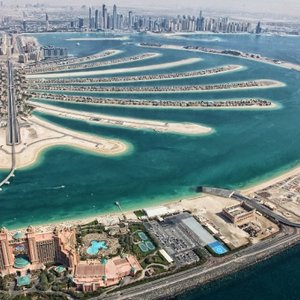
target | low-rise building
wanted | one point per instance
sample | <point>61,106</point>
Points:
<point>239,214</point>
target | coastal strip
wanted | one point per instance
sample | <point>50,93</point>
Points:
<point>91,65</point>
<point>168,76</point>
<point>38,135</point>
<point>192,104</point>
<point>254,84</point>
<point>167,65</point>
<point>233,53</point>
<point>74,60</point>
<point>132,123</point>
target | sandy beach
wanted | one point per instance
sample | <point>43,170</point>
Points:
<point>38,135</point>
<point>174,64</point>
<point>133,123</point>
<point>252,189</point>
<point>246,85</point>
<point>273,105</point>
<point>202,205</point>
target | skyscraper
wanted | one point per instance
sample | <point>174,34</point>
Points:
<point>258,28</point>
<point>47,22</point>
<point>114,21</point>
<point>90,18</point>
<point>96,19</point>
<point>130,19</point>
<point>104,17</point>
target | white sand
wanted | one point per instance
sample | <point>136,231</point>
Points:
<point>134,123</point>
<point>175,64</point>
<point>41,135</point>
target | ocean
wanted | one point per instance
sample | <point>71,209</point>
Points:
<point>247,146</point>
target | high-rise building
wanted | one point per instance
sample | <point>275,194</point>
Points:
<point>258,28</point>
<point>24,26</point>
<point>104,17</point>
<point>130,19</point>
<point>47,22</point>
<point>96,19</point>
<point>114,21</point>
<point>90,18</point>
<point>80,23</point>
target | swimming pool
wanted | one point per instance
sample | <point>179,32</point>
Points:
<point>96,246</point>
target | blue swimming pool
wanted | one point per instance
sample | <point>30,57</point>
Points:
<point>96,246</point>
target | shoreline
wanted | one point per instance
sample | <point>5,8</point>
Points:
<point>173,64</point>
<point>160,77</point>
<point>236,85</point>
<point>265,60</point>
<point>41,135</point>
<point>167,202</point>
<point>273,105</point>
<point>131,123</point>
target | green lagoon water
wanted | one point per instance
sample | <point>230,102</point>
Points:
<point>247,146</point>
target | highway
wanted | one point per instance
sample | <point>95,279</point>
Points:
<point>251,202</point>
<point>264,210</point>
<point>151,290</point>
<point>13,132</point>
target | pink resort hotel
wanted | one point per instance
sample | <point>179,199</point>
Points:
<point>33,250</point>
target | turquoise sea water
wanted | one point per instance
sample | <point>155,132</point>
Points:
<point>247,146</point>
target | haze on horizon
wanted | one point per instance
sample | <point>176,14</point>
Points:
<point>279,7</point>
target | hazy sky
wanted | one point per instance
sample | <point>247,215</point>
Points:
<point>289,7</point>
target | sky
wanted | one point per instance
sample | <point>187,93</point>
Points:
<point>280,7</point>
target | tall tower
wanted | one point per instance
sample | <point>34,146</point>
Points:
<point>96,19</point>
<point>114,21</point>
<point>104,17</point>
<point>90,18</point>
<point>47,22</point>
<point>130,19</point>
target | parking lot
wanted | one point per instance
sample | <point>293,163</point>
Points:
<point>175,238</point>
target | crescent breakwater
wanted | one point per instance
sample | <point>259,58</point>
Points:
<point>233,103</point>
<point>263,83</point>
<point>90,65</point>
<point>133,123</point>
<point>228,52</point>
<point>170,76</point>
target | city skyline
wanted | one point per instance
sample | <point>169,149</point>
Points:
<point>291,7</point>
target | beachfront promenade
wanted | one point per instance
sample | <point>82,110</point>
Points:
<point>167,76</point>
<point>263,83</point>
<point>214,104</point>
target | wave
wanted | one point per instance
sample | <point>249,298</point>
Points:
<point>56,187</point>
